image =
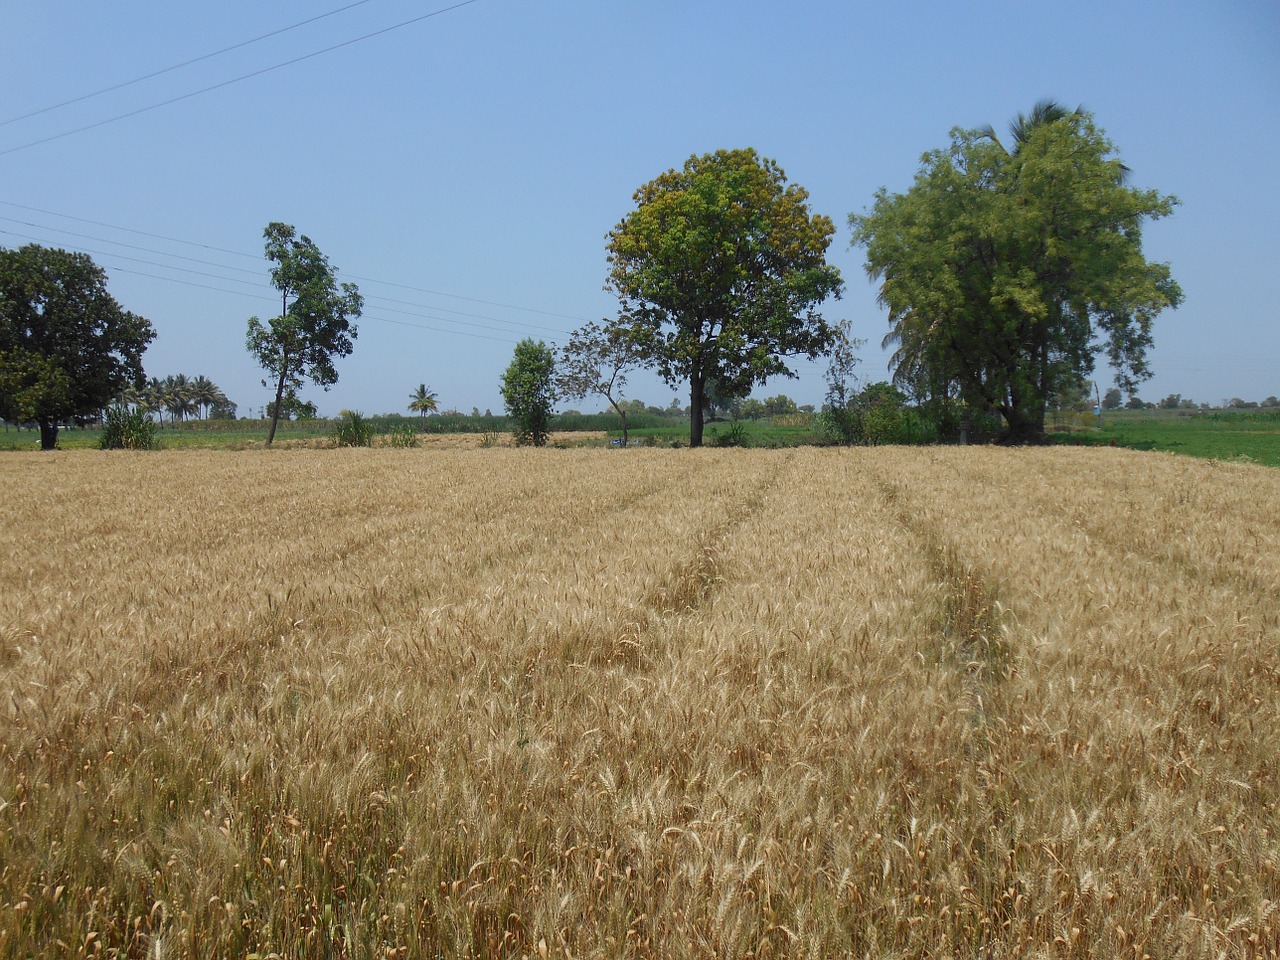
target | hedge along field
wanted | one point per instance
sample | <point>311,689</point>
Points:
<point>506,703</point>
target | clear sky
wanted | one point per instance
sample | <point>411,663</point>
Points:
<point>464,170</point>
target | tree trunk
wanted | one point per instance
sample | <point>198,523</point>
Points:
<point>48,434</point>
<point>622,415</point>
<point>1024,426</point>
<point>275,409</point>
<point>697,391</point>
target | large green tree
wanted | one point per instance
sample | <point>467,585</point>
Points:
<point>67,348</point>
<point>1006,272</point>
<point>315,323</point>
<point>720,271</point>
<point>528,390</point>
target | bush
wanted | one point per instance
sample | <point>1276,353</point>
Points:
<point>735,435</point>
<point>352,430</point>
<point>402,435</point>
<point>128,430</point>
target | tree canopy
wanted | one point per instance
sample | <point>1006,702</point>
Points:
<point>67,348</point>
<point>1007,272</point>
<point>315,322</point>
<point>720,271</point>
<point>528,389</point>
<point>423,401</point>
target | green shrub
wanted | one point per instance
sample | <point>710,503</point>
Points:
<point>352,430</point>
<point>128,430</point>
<point>735,435</point>
<point>402,435</point>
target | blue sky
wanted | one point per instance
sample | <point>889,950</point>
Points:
<point>464,170</point>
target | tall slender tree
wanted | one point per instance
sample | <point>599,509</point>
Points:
<point>204,393</point>
<point>423,401</point>
<point>179,397</point>
<point>315,325</point>
<point>154,399</point>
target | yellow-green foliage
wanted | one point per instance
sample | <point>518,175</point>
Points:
<point>537,703</point>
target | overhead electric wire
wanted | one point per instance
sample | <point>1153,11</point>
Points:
<point>259,283</point>
<point>141,233</point>
<point>263,296</point>
<point>121,243</point>
<point>179,66</point>
<point>258,257</point>
<point>245,76</point>
<point>257,274</point>
<point>456,296</point>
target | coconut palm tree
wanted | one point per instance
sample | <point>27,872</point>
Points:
<point>131,397</point>
<point>204,394</point>
<point>155,398</point>
<point>1023,125</point>
<point>178,398</point>
<point>423,400</point>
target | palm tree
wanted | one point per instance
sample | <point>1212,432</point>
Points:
<point>155,398</point>
<point>423,400</point>
<point>1044,112</point>
<point>131,397</point>
<point>204,394</point>
<point>178,398</point>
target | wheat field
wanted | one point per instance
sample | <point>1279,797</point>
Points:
<point>949,702</point>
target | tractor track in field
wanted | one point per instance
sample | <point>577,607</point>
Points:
<point>691,583</point>
<point>970,627</point>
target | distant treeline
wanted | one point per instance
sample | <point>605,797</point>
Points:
<point>449,421</point>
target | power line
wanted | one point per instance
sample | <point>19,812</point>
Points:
<point>141,233</point>
<point>257,274</point>
<point>121,243</point>
<point>258,257</point>
<point>245,76</point>
<point>262,296</point>
<point>179,66</point>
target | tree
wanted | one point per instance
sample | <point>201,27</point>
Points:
<point>1002,270</point>
<point>1070,395</point>
<point>779,406</point>
<point>152,398</point>
<point>528,389</point>
<point>67,348</point>
<point>315,323</point>
<point>204,394</point>
<point>1112,399</point>
<point>222,409</point>
<point>423,401</point>
<point>595,361</point>
<point>720,271</point>
<point>179,397</point>
<point>721,398</point>
<point>292,407</point>
<point>841,418</point>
